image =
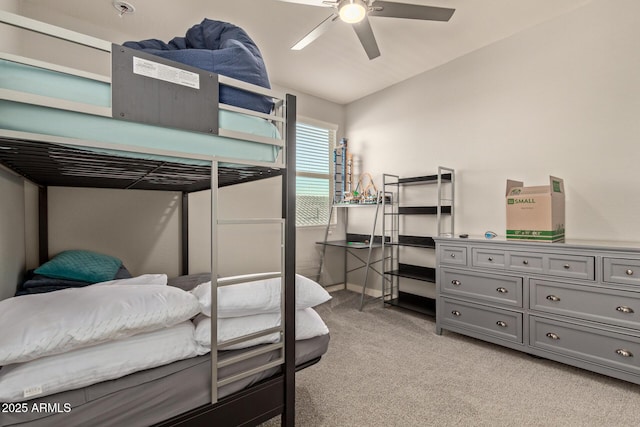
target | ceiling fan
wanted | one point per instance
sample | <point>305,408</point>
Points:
<point>357,12</point>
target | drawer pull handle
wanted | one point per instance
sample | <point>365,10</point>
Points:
<point>624,309</point>
<point>456,282</point>
<point>456,313</point>
<point>629,272</point>
<point>490,259</point>
<point>502,290</point>
<point>453,255</point>
<point>525,262</point>
<point>553,298</point>
<point>501,324</point>
<point>567,266</point>
<point>552,336</point>
<point>624,353</point>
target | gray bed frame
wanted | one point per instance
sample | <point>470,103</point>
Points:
<point>258,403</point>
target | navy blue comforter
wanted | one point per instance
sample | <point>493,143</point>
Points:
<point>222,48</point>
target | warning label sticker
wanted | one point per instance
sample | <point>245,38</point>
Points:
<point>158,71</point>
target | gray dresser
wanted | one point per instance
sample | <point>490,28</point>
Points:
<point>576,302</point>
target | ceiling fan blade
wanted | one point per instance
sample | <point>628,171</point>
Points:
<point>322,28</point>
<point>308,2</point>
<point>365,34</point>
<point>411,11</point>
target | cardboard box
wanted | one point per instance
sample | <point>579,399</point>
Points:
<point>536,213</point>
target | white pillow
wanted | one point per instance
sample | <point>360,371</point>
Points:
<point>39,325</point>
<point>144,279</point>
<point>258,297</point>
<point>309,324</point>
<point>102,362</point>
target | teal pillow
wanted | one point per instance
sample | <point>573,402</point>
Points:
<point>81,265</point>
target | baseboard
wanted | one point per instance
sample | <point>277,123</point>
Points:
<point>376,293</point>
<point>333,288</point>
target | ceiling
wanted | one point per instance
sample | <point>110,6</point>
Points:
<point>334,67</point>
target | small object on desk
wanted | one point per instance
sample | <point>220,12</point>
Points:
<point>358,245</point>
<point>489,234</point>
<point>463,236</point>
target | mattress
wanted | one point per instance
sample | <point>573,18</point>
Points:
<point>74,125</point>
<point>148,397</point>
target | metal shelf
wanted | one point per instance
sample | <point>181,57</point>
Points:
<point>417,303</point>
<point>356,241</point>
<point>421,210</point>
<point>425,179</point>
<point>394,214</point>
<point>414,241</point>
<point>415,272</point>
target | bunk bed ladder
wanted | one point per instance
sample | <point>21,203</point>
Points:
<point>287,273</point>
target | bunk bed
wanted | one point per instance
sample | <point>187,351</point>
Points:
<point>80,129</point>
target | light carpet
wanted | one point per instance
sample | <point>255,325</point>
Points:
<point>387,367</point>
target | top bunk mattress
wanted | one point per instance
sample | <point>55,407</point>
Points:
<point>136,139</point>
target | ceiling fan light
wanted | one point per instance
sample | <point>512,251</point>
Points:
<point>352,11</point>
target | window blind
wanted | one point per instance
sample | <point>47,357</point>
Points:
<point>313,174</point>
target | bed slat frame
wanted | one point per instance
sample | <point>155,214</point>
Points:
<point>30,156</point>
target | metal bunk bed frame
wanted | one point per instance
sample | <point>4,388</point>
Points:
<point>258,403</point>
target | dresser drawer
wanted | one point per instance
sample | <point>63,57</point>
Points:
<point>453,255</point>
<point>490,258</point>
<point>621,270</point>
<point>524,261</point>
<point>503,324</point>
<point>615,350</point>
<point>574,266</point>
<point>482,286</point>
<point>599,305</point>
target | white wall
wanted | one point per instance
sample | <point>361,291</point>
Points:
<point>243,249</point>
<point>61,52</point>
<point>8,36</point>
<point>12,246</point>
<point>561,98</point>
<point>12,228</point>
<point>140,227</point>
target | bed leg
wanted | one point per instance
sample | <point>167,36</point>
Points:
<point>43,225</point>
<point>289,213</point>
<point>185,233</point>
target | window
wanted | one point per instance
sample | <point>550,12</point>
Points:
<point>314,145</point>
